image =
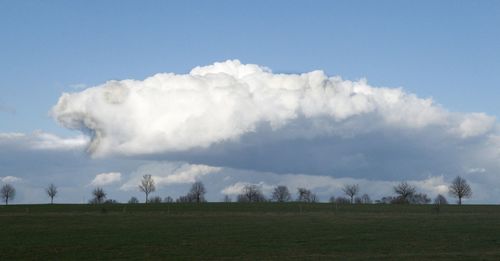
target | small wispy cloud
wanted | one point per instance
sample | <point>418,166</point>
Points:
<point>10,179</point>
<point>476,170</point>
<point>105,179</point>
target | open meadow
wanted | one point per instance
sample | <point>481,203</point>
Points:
<point>249,231</point>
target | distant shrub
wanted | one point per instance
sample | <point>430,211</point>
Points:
<point>133,200</point>
<point>155,200</point>
<point>440,200</point>
<point>342,201</point>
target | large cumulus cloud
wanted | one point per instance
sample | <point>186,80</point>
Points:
<point>245,116</point>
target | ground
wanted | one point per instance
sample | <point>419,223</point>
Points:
<point>220,231</point>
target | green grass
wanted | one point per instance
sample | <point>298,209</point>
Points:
<point>249,232</point>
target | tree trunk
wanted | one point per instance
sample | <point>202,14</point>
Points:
<point>146,198</point>
<point>6,201</point>
<point>459,200</point>
<point>51,200</point>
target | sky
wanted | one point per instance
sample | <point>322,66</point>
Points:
<point>316,95</point>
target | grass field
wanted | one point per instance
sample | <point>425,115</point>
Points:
<point>249,232</point>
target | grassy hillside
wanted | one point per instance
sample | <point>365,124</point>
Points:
<point>249,231</point>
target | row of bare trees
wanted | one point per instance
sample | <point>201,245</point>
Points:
<point>405,194</point>
<point>8,192</point>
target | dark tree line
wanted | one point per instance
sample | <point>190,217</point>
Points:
<point>405,193</point>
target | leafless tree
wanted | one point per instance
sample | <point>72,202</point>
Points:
<point>8,192</point>
<point>147,185</point>
<point>52,192</point>
<point>351,191</point>
<point>155,200</point>
<point>365,199</point>
<point>251,193</point>
<point>405,191</point>
<point>183,199</point>
<point>197,192</point>
<point>440,200</point>
<point>281,194</point>
<point>99,196</point>
<point>227,199</point>
<point>460,189</point>
<point>168,199</point>
<point>386,200</point>
<point>133,200</point>
<point>342,201</point>
<point>419,198</point>
<point>305,195</point>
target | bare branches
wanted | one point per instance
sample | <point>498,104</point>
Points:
<point>197,192</point>
<point>147,185</point>
<point>251,193</point>
<point>8,192</point>
<point>52,192</point>
<point>99,196</point>
<point>405,191</point>
<point>281,194</point>
<point>460,189</point>
<point>306,195</point>
<point>351,191</point>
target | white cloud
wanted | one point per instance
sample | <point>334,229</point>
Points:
<point>169,173</point>
<point>476,170</point>
<point>10,179</point>
<point>475,124</point>
<point>225,101</point>
<point>40,140</point>
<point>237,188</point>
<point>104,179</point>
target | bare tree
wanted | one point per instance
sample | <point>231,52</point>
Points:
<point>155,200</point>
<point>281,194</point>
<point>52,192</point>
<point>8,192</point>
<point>197,192</point>
<point>305,195</point>
<point>184,199</point>
<point>168,199</point>
<point>419,198</point>
<point>251,193</point>
<point>351,191</point>
<point>342,201</point>
<point>440,200</point>
<point>147,185</point>
<point>133,200</point>
<point>99,196</point>
<point>405,191</point>
<point>365,199</point>
<point>460,189</point>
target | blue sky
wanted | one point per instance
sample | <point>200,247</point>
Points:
<point>447,50</point>
<point>444,50</point>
